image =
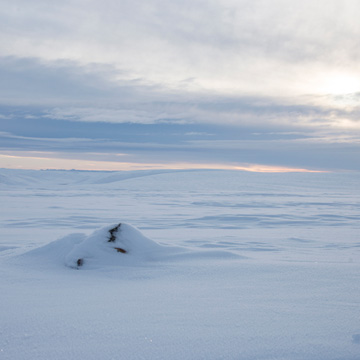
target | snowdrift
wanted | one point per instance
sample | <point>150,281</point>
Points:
<point>118,244</point>
<point>113,245</point>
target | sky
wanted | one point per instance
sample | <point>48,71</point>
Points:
<point>258,85</point>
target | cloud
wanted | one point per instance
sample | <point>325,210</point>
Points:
<point>307,150</point>
<point>149,115</point>
<point>67,90</point>
<point>152,79</point>
<point>30,81</point>
<point>252,47</point>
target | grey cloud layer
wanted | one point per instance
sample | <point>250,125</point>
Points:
<point>234,64</point>
<point>66,90</point>
<point>219,44</point>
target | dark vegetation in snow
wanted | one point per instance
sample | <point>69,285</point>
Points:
<point>112,232</point>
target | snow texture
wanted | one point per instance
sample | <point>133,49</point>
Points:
<point>216,265</point>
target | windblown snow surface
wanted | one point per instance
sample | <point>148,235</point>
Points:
<point>212,265</point>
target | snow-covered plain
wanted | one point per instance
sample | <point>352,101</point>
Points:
<point>227,265</point>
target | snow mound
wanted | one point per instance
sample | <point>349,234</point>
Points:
<point>115,244</point>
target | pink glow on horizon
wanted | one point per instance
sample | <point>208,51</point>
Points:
<point>41,161</point>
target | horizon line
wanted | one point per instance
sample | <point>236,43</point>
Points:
<point>17,162</point>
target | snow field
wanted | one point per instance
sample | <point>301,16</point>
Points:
<point>225,266</point>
